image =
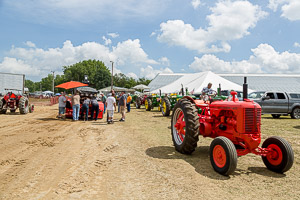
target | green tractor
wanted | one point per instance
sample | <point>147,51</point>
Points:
<point>167,103</point>
<point>152,101</point>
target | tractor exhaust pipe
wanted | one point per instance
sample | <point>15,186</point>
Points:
<point>219,90</point>
<point>245,89</point>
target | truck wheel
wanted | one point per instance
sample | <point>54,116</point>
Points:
<point>23,105</point>
<point>2,111</point>
<point>281,157</point>
<point>295,113</point>
<point>148,104</point>
<point>166,107</point>
<point>276,116</point>
<point>223,155</point>
<point>138,103</point>
<point>185,126</point>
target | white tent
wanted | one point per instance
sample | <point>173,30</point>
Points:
<point>197,81</point>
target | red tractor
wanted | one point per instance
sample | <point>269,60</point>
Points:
<point>14,101</point>
<point>235,127</point>
<point>84,92</point>
<point>140,100</point>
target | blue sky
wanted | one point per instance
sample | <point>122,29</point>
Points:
<point>146,37</point>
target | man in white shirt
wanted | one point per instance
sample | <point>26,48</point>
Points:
<point>110,107</point>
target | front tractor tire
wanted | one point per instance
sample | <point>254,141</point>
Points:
<point>148,104</point>
<point>166,107</point>
<point>23,105</point>
<point>276,116</point>
<point>185,126</point>
<point>223,155</point>
<point>31,108</point>
<point>281,157</point>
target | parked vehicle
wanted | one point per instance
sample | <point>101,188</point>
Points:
<point>15,100</point>
<point>280,103</point>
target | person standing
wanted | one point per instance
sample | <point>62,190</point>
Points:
<point>85,109</point>
<point>122,103</point>
<point>103,99</point>
<point>129,99</point>
<point>111,107</point>
<point>95,108</point>
<point>76,106</point>
<point>61,104</point>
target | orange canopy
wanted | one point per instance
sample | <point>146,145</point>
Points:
<point>71,84</point>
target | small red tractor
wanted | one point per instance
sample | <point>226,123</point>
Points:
<point>13,101</point>
<point>236,128</point>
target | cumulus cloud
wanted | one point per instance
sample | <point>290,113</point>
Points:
<point>30,44</point>
<point>37,62</point>
<point>230,20</point>
<point>164,61</point>
<point>64,11</point>
<point>289,8</point>
<point>196,3</point>
<point>113,35</point>
<point>296,44</point>
<point>106,41</point>
<point>132,75</point>
<point>263,60</point>
<point>149,72</point>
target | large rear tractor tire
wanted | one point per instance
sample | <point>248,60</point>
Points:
<point>223,155</point>
<point>23,105</point>
<point>148,104</point>
<point>276,116</point>
<point>2,110</point>
<point>281,158</point>
<point>185,126</point>
<point>166,107</point>
<point>295,113</point>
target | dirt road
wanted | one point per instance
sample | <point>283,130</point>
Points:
<point>45,158</point>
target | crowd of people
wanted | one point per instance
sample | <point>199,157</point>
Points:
<point>110,103</point>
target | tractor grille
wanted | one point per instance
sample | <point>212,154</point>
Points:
<point>252,120</point>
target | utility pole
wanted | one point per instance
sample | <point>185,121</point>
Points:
<point>112,75</point>
<point>53,82</point>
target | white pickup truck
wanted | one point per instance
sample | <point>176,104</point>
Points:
<point>278,103</point>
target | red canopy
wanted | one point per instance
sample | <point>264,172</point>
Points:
<point>71,84</point>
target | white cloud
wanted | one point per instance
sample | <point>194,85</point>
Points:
<point>152,34</point>
<point>132,75</point>
<point>106,41</point>
<point>296,44</point>
<point>149,73</point>
<point>228,21</point>
<point>264,60</point>
<point>196,3</point>
<point>130,52</point>
<point>164,61</point>
<point>36,63</point>
<point>113,35</point>
<point>30,44</point>
<point>66,11</point>
<point>289,8</point>
<point>14,65</point>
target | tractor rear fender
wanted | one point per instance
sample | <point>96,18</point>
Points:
<point>197,102</point>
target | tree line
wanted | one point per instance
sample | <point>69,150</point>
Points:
<point>98,74</point>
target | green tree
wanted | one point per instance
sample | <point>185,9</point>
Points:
<point>98,74</point>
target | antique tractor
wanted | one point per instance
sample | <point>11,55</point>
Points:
<point>84,92</point>
<point>152,101</point>
<point>140,100</point>
<point>14,101</point>
<point>167,103</point>
<point>235,127</point>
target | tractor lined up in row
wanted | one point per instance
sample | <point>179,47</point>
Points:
<point>14,101</point>
<point>236,128</point>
